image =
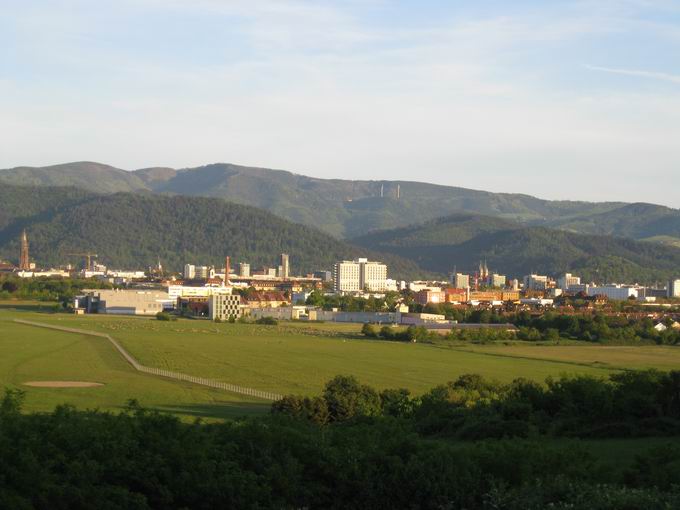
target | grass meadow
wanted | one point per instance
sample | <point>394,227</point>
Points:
<point>288,358</point>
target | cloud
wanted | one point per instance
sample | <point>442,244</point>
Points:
<point>652,75</point>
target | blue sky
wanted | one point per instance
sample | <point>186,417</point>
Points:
<point>568,100</point>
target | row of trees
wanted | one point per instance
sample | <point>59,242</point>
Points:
<point>62,290</point>
<point>635,403</point>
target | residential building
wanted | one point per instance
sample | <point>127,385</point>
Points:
<point>224,306</point>
<point>567,281</point>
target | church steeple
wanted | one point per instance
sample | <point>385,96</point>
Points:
<point>24,263</point>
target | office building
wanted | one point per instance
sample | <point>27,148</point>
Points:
<point>567,281</point>
<point>460,281</point>
<point>244,270</point>
<point>535,282</point>
<point>224,306</point>
<point>359,275</point>
<point>497,280</point>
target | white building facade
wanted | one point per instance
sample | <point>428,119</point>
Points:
<point>358,275</point>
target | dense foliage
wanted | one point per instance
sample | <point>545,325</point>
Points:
<point>135,230</point>
<point>593,328</point>
<point>628,404</point>
<point>354,447</point>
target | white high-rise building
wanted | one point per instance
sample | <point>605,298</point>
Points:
<point>244,269</point>
<point>358,275</point>
<point>535,282</point>
<point>568,280</point>
<point>189,271</point>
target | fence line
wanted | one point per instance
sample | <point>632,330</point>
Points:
<point>160,372</point>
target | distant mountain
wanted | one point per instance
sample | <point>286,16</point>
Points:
<point>462,241</point>
<point>90,176</point>
<point>134,230</point>
<point>342,208</point>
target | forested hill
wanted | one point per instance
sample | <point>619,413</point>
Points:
<point>134,230</point>
<point>512,249</point>
<point>342,208</point>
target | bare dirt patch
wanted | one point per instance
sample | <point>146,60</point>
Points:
<point>62,384</point>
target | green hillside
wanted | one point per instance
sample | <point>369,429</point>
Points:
<point>86,175</point>
<point>134,230</point>
<point>342,208</point>
<point>463,240</point>
<point>637,221</point>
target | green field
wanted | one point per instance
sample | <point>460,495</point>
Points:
<point>289,358</point>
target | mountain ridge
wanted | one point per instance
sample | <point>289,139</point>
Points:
<point>343,208</point>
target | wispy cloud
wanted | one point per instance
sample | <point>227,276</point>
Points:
<point>652,75</point>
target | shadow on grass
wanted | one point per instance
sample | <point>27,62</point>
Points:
<point>47,307</point>
<point>218,411</point>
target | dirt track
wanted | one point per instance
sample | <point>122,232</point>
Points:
<point>62,384</point>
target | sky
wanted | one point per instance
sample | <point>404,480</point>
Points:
<point>559,99</point>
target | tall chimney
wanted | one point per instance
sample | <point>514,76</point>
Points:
<point>227,269</point>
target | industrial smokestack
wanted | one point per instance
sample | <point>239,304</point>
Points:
<point>227,269</point>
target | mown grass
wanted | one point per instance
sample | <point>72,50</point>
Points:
<point>289,358</point>
<point>300,358</point>
<point>34,354</point>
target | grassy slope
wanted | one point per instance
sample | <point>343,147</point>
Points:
<point>296,359</point>
<point>29,354</point>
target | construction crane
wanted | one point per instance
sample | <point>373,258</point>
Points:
<point>88,257</point>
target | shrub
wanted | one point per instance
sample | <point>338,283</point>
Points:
<point>165,316</point>
<point>267,321</point>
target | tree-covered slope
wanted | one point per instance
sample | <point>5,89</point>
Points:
<point>133,230</point>
<point>637,221</point>
<point>462,241</point>
<point>342,208</point>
